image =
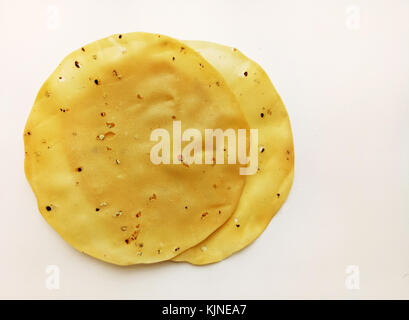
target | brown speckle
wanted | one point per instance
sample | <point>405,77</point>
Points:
<point>110,134</point>
<point>115,73</point>
<point>245,73</point>
<point>118,214</point>
<point>103,114</point>
<point>139,214</point>
<point>139,96</point>
<point>153,197</point>
<point>278,195</point>
<point>204,214</point>
<point>120,36</point>
<point>177,249</point>
<point>237,226</point>
<point>77,64</point>
<point>83,49</point>
<point>173,58</point>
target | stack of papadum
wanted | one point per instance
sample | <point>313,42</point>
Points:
<point>90,136</point>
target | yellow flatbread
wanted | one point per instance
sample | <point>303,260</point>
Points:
<point>265,192</point>
<point>87,144</point>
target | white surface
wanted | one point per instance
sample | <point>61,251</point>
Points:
<point>346,90</point>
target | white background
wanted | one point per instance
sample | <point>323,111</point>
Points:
<point>342,69</point>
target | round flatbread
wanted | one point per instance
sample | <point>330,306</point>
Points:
<point>265,192</point>
<point>88,145</point>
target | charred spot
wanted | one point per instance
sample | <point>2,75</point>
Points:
<point>96,81</point>
<point>120,36</point>
<point>77,64</point>
<point>278,195</point>
<point>262,115</point>
<point>79,169</point>
<point>48,208</point>
<point>246,73</point>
